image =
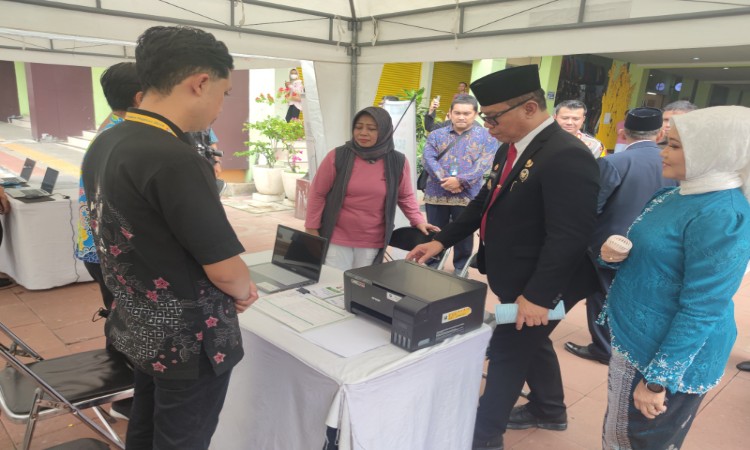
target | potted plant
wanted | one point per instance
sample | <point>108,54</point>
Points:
<point>277,136</point>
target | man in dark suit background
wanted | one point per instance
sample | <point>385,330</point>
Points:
<point>536,215</point>
<point>628,181</point>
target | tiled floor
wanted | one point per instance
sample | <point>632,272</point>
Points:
<point>58,322</point>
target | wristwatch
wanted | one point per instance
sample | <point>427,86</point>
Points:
<point>656,388</point>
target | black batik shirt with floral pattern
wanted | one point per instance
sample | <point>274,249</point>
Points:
<point>157,219</point>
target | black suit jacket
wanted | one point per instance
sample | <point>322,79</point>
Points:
<point>539,227</point>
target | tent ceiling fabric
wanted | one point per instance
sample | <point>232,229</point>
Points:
<point>391,30</point>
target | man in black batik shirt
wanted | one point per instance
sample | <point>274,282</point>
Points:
<point>168,252</point>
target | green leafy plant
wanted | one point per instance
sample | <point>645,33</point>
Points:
<point>278,134</point>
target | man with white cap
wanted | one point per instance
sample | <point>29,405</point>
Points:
<point>628,181</point>
<point>535,215</point>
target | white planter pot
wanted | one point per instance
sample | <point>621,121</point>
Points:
<point>289,180</point>
<point>268,180</point>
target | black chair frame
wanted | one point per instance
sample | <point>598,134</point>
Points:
<point>41,376</point>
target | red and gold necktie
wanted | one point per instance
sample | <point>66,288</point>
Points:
<point>512,154</point>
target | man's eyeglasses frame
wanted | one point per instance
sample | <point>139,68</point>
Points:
<point>492,120</point>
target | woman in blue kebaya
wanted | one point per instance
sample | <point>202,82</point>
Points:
<point>670,307</point>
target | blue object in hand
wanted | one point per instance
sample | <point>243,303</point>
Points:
<point>507,312</point>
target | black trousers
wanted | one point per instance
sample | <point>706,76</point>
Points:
<point>95,270</point>
<point>442,215</point>
<point>517,357</point>
<point>600,338</point>
<point>176,414</point>
<point>292,113</point>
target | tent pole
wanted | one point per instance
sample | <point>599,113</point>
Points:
<point>354,48</point>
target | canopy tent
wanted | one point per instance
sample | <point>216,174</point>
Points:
<point>347,41</point>
<point>383,30</point>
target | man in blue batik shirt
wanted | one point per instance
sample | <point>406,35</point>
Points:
<point>457,176</point>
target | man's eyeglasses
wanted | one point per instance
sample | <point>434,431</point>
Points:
<point>492,120</point>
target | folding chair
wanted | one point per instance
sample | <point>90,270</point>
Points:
<point>406,238</point>
<point>46,388</point>
<point>470,264</point>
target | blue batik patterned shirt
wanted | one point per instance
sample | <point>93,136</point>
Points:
<point>85,248</point>
<point>469,158</point>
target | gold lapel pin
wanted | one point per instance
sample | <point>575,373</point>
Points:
<point>497,167</point>
<point>524,175</point>
<point>528,164</point>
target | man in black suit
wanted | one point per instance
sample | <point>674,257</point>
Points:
<point>628,180</point>
<point>535,215</point>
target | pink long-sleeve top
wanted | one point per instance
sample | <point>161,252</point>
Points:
<point>361,223</point>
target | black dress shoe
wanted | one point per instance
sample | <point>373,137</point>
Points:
<point>584,351</point>
<point>744,365</point>
<point>521,418</point>
<point>495,443</point>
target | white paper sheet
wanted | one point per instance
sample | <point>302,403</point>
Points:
<point>298,311</point>
<point>349,337</point>
<point>331,293</point>
<point>327,291</point>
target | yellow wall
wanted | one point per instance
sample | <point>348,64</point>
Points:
<point>396,77</point>
<point>445,79</point>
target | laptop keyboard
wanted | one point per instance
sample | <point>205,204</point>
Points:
<point>276,273</point>
<point>34,192</point>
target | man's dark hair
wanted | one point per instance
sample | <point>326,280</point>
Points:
<point>465,99</point>
<point>680,105</point>
<point>120,84</point>
<point>464,83</point>
<point>167,55</point>
<point>570,104</point>
<point>390,98</point>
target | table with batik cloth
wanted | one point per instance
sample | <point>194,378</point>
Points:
<point>287,391</point>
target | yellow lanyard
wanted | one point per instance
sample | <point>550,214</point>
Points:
<point>140,118</point>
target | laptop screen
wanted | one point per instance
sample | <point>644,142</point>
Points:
<point>28,168</point>
<point>300,252</point>
<point>50,178</point>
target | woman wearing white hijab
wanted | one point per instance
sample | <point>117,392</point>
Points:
<point>670,307</point>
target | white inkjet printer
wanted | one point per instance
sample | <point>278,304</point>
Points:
<point>423,306</point>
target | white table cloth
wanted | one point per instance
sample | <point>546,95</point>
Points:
<point>286,390</point>
<point>38,248</point>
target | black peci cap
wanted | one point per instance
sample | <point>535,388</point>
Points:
<point>643,119</point>
<point>506,84</point>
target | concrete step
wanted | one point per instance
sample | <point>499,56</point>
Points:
<point>23,122</point>
<point>239,189</point>
<point>79,142</point>
<point>90,135</point>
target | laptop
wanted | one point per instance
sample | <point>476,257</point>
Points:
<point>297,260</point>
<point>23,178</point>
<point>48,184</point>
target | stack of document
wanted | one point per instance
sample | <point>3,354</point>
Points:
<point>300,311</point>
